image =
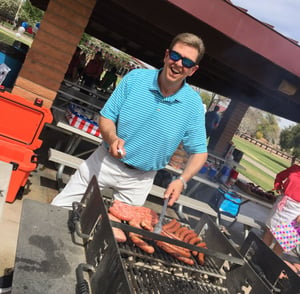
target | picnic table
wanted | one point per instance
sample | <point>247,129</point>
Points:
<point>90,99</point>
<point>221,161</point>
<point>76,136</point>
<point>90,91</point>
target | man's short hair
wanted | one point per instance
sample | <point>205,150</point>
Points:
<point>190,40</point>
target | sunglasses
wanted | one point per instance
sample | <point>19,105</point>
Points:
<point>186,62</point>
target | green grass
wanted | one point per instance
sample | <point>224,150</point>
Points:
<point>256,176</point>
<point>271,161</point>
<point>6,38</point>
<point>9,37</point>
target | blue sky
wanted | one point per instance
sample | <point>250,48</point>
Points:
<point>282,14</point>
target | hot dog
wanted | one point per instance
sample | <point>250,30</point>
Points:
<point>173,249</point>
<point>195,240</point>
<point>170,224</point>
<point>185,260</point>
<point>141,243</point>
<point>180,231</point>
<point>147,225</point>
<point>185,233</point>
<point>118,233</point>
<point>201,244</point>
<point>169,235</point>
<point>174,228</point>
<point>200,258</point>
<point>189,237</point>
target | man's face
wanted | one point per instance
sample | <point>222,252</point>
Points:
<point>175,70</point>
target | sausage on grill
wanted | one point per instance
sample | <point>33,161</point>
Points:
<point>180,231</point>
<point>173,249</point>
<point>141,243</point>
<point>170,224</point>
<point>174,228</point>
<point>200,258</point>
<point>118,233</point>
<point>185,260</point>
<point>201,244</point>
<point>185,233</point>
<point>189,237</point>
<point>195,240</point>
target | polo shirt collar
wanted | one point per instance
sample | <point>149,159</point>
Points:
<point>175,97</point>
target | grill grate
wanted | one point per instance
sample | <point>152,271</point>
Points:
<point>147,281</point>
<point>162,258</point>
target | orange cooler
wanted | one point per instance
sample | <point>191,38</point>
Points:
<point>21,122</point>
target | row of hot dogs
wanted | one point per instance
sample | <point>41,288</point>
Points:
<point>175,230</point>
<point>146,218</point>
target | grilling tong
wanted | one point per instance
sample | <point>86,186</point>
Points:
<point>158,227</point>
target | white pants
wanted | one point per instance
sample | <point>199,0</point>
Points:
<point>131,186</point>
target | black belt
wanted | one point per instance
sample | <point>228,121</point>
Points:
<point>129,166</point>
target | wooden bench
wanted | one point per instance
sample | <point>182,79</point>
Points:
<point>157,191</point>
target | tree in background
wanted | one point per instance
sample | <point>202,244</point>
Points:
<point>250,122</point>
<point>260,125</point>
<point>30,13</point>
<point>8,9</point>
<point>27,12</point>
<point>290,140</point>
<point>269,128</point>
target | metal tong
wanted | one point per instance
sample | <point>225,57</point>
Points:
<point>158,227</point>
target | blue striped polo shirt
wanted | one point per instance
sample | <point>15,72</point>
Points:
<point>151,125</point>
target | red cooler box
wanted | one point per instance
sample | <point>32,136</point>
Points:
<point>21,122</point>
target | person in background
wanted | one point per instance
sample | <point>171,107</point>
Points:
<point>82,63</point>
<point>109,79</point>
<point>93,70</point>
<point>72,71</point>
<point>143,122</point>
<point>212,120</point>
<point>286,209</point>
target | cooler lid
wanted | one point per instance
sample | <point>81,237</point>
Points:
<point>21,120</point>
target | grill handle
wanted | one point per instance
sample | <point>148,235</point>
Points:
<point>82,286</point>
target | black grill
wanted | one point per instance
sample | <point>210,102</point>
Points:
<point>125,268</point>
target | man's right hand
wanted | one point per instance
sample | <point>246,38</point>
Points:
<point>116,149</point>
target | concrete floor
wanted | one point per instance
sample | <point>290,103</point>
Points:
<point>41,188</point>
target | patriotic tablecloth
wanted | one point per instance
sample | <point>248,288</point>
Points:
<point>81,119</point>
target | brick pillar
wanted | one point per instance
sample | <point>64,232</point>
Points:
<point>230,122</point>
<point>48,58</point>
<point>179,158</point>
